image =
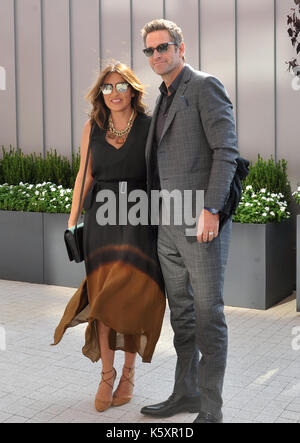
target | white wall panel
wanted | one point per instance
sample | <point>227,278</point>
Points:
<point>115,31</point>
<point>288,98</point>
<point>85,62</point>
<point>256,83</point>
<point>185,15</point>
<point>8,129</point>
<point>29,75</point>
<point>50,50</point>
<point>217,42</point>
<point>144,12</point>
<point>57,94</point>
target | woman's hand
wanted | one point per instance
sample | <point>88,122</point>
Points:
<point>71,223</point>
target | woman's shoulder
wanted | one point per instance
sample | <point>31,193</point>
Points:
<point>95,128</point>
<point>145,119</point>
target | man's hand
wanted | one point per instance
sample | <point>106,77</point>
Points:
<point>208,226</point>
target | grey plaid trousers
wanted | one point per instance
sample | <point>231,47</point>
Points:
<point>194,278</point>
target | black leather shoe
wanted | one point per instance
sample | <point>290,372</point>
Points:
<point>172,406</point>
<point>207,417</point>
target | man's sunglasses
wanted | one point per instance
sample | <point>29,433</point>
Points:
<point>161,49</point>
<point>107,88</point>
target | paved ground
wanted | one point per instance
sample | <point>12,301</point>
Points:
<point>43,383</point>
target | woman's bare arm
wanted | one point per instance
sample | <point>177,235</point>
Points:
<point>79,178</point>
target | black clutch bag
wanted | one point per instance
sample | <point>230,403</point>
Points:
<point>74,236</point>
<point>74,243</point>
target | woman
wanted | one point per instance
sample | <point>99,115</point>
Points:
<point>122,296</point>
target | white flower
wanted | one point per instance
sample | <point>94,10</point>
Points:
<point>52,189</point>
<point>264,214</point>
<point>282,208</point>
<point>37,193</point>
<point>272,213</point>
<point>262,190</point>
<point>267,208</point>
<point>247,204</point>
<point>248,187</point>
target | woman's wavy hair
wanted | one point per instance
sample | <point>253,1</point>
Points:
<point>100,112</point>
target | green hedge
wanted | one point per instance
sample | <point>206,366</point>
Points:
<point>269,175</point>
<point>266,193</point>
<point>16,167</point>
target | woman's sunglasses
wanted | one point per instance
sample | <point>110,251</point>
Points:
<point>107,88</point>
<point>161,49</point>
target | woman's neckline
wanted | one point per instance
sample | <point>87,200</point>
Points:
<point>128,137</point>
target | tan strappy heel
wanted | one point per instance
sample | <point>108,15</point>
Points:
<point>102,405</point>
<point>119,401</point>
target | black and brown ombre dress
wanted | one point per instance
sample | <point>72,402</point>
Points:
<point>123,287</point>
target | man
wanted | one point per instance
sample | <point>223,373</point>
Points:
<point>192,146</point>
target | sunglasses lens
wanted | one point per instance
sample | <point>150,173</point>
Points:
<point>121,87</point>
<point>162,48</point>
<point>106,89</point>
<point>148,52</point>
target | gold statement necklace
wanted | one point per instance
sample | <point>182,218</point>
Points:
<point>115,134</point>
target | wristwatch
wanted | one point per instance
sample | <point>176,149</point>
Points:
<point>212,210</point>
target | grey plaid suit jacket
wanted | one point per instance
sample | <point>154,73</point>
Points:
<point>198,146</point>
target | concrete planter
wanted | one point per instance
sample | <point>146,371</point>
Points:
<point>298,263</point>
<point>261,265</point>
<point>33,249</point>
<point>21,239</point>
<point>58,270</point>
